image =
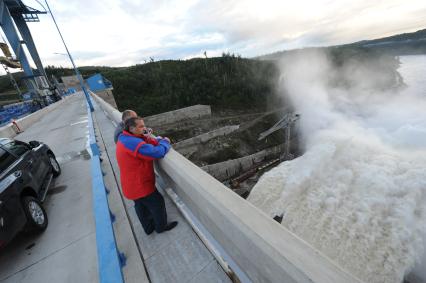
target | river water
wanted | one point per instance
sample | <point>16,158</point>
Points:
<point>358,193</point>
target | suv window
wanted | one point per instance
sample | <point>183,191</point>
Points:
<point>6,159</point>
<point>16,147</point>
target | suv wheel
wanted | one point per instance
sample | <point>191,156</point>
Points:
<point>36,215</point>
<point>56,169</point>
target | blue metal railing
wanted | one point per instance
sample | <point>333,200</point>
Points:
<point>15,111</point>
<point>109,263</point>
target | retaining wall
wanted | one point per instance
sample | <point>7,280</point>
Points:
<point>190,145</point>
<point>228,169</point>
<point>192,112</point>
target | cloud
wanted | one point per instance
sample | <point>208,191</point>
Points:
<point>175,29</point>
<point>307,23</point>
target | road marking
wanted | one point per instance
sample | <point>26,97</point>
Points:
<point>80,122</point>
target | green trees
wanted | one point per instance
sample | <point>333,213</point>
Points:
<point>225,82</point>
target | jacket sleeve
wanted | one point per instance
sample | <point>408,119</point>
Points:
<point>149,151</point>
<point>151,140</point>
<point>117,132</point>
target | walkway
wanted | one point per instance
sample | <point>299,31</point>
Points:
<point>66,251</point>
<point>174,256</point>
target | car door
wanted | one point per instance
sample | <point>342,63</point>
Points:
<point>10,218</point>
<point>28,161</point>
<point>39,153</point>
<point>6,159</point>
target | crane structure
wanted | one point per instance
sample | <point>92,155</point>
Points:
<point>284,123</point>
<point>14,15</point>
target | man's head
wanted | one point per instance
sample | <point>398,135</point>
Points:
<point>128,114</point>
<point>135,125</point>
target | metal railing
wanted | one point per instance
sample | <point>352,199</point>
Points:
<point>109,264</point>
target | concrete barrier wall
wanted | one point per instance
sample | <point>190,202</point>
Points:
<point>206,136</point>
<point>26,122</point>
<point>107,96</point>
<point>113,113</point>
<point>228,169</point>
<point>190,145</point>
<point>263,248</point>
<point>192,112</point>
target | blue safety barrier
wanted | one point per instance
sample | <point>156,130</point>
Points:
<point>110,260</point>
<point>15,111</point>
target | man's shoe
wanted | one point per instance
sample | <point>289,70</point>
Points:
<point>171,225</point>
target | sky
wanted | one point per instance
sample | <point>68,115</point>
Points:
<point>128,32</point>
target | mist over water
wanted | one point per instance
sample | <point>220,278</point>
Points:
<point>413,70</point>
<point>358,193</point>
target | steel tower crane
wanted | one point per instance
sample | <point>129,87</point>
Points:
<point>14,15</point>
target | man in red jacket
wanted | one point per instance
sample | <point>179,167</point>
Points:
<point>135,155</point>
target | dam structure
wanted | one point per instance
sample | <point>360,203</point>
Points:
<point>94,234</point>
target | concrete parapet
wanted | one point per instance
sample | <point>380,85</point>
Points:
<point>108,96</point>
<point>263,248</point>
<point>113,113</point>
<point>8,131</point>
<point>228,169</point>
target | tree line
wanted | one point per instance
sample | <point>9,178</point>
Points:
<point>226,82</point>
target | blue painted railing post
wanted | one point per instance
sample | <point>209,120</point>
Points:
<point>110,260</point>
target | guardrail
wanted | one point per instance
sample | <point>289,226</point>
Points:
<point>108,256</point>
<point>265,250</point>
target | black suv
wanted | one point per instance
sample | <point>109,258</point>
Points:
<point>26,171</point>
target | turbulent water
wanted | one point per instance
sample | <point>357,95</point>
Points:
<point>358,194</point>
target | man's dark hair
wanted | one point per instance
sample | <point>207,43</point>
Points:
<point>126,114</point>
<point>131,122</point>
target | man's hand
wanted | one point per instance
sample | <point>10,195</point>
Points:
<point>167,139</point>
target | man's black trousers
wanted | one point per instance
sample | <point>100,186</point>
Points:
<point>151,212</point>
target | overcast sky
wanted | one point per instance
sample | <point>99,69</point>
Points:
<point>128,32</point>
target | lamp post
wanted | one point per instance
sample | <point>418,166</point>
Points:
<point>77,72</point>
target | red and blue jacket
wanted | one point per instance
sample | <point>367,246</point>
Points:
<point>135,156</point>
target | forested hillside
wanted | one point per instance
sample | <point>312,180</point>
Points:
<point>226,82</point>
<point>223,82</point>
<point>402,44</point>
<point>413,43</point>
<point>230,81</point>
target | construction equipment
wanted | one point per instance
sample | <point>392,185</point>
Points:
<point>12,79</point>
<point>285,123</point>
<point>5,48</point>
<point>8,61</point>
<point>235,182</point>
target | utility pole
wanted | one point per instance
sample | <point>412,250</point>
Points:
<point>77,73</point>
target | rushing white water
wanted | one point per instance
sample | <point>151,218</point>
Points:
<point>358,194</point>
